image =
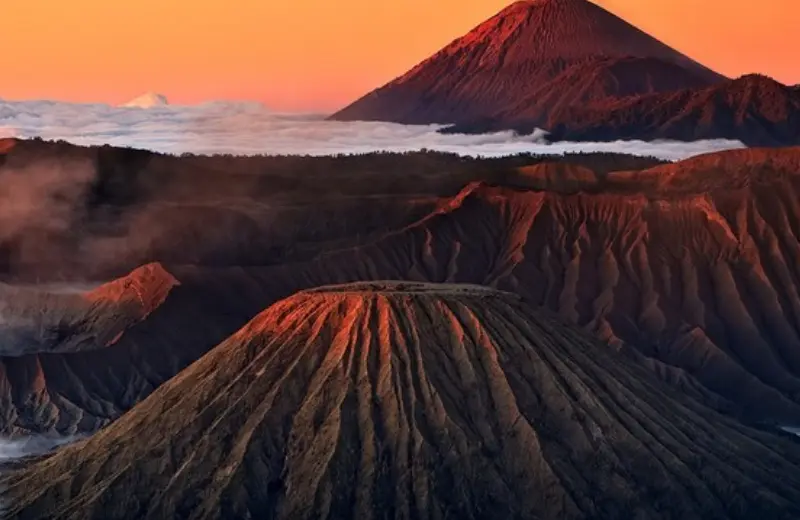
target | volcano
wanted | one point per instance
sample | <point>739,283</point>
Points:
<point>691,267</point>
<point>411,400</point>
<point>559,51</point>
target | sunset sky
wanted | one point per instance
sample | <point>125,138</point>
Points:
<point>321,54</point>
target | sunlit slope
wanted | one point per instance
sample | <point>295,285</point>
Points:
<point>426,401</point>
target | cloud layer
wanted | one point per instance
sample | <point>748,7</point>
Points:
<point>13,449</point>
<point>251,129</point>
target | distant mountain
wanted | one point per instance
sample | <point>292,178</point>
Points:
<point>578,71</point>
<point>534,54</point>
<point>754,109</point>
<point>416,401</point>
<point>148,100</point>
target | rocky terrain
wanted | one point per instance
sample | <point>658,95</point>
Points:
<point>577,71</point>
<point>64,319</point>
<point>689,268</point>
<point>108,354</point>
<point>421,335</point>
<point>692,264</point>
<point>70,213</point>
<point>754,109</point>
<point>417,401</point>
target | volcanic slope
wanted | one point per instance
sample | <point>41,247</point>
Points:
<point>693,264</point>
<point>536,50</point>
<point>61,319</point>
<point>72,362</point>
<point>692,268</point>
<point>414,401</point>
<point>754,109</point>
<point>96,213</point>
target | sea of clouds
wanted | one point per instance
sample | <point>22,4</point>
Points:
<point>13,449</point>
<point>251,129</point>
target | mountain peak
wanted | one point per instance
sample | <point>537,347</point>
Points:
<point>512,54</point>
<point>148,100</point>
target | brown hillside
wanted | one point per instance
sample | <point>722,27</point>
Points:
<point>423,401</point>
<point>753,109</point>
<point>699,253</point>
<point>705,248</point>
<point>598,82</point>
<point>124,208</point>
<point>6,144</point>
<point>690,267</point>
<point>81,360</point>
<point>62,320</point>
<point>515,54</point>
<point>210,211</point>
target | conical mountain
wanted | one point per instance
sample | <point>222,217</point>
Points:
<point>519,52</point>
<point>398,400</point>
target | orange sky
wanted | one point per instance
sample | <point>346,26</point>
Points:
<point>320,54</point>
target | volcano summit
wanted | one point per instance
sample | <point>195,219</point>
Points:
<point>409,400</point>
<point>532,50</point>
<point>581,73</point>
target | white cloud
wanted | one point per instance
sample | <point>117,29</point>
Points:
<point>249,129</point>
<point>790,429</point>
<point>13,449</point>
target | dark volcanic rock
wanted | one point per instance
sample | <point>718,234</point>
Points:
<point>423,401</point>
<point>74,361</point>
<point>690,267</point>
<point>71,213</point>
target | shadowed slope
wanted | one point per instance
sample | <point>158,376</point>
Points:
<point>414,401</point>
<point>513,55</point>
<point>66,319</point>
<point>693,264</point>
<point>82,373</point>
<point>691,267</point>
<point>47,334</point>
<point>756,110</point>
<point>123,208</point>
<point>598,82</point>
